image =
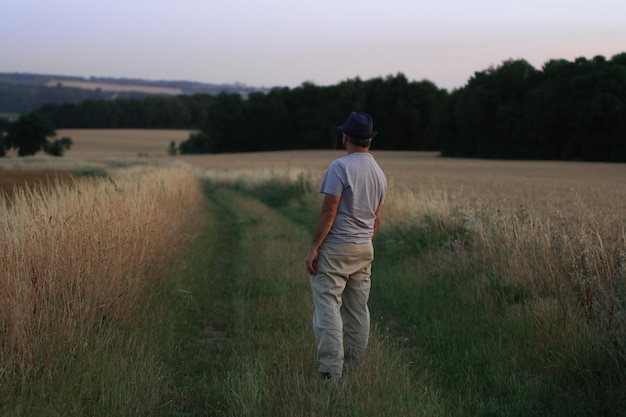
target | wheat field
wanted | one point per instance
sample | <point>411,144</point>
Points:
<point>548,187</point>
<point>509,183</point>
<point>552,233</point>
<point>548,219</point>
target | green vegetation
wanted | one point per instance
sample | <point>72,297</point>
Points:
<point>227,330</point>
<point>92,172</point>
<point>563,111</point>
<point>248,349</point>
<point>484,344</point>
<point>566,110</point>
<point>450,336</point>
<point>25,92</point>
<point>30,133</point>
<point>23,96</point>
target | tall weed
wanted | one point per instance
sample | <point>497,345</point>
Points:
<point>526,301</point>
<point>79,263</point>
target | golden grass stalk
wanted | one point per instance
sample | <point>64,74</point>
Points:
<point>570,256</point>
<point>404,206</point>
<point>76,258</point>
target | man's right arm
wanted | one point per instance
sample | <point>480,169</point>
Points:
<point>379,211</point>
<point>324,223</point>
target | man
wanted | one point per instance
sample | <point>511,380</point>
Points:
<point>341,253</point>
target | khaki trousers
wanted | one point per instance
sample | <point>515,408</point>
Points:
<point>341,290</point>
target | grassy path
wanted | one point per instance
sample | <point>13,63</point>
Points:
<point>249,348</point>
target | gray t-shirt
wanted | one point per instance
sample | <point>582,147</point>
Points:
<point>362,186</point>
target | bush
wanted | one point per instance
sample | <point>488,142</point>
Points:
<point>197,143</point>
<point>58,147</point>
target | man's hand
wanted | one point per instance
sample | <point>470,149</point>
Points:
<point>311,261</point>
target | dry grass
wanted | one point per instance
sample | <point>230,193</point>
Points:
<point>572,207</point>
<point>546,237</point>
<point>77,257</point>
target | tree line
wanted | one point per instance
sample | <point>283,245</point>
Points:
<point>23,92</point>
<point>565,110</point>
<point>306,117</point>
<point>25,97</point>
<point>153,112</point>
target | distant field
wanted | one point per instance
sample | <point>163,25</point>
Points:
<point>511,183</point>
<point>106,143</point>
<point>90,85</point>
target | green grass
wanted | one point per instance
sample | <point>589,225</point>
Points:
<point>229,333</point>
<point>485,347</point>
<point>478,342</point>
<point>254,292</point>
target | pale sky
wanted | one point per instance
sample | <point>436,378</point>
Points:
<point>287,42</point>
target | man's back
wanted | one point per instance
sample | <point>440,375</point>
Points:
<point>362,185</point>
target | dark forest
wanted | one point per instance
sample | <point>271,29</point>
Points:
<point>564,111</point>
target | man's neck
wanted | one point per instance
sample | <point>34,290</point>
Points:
<point>351,148</point>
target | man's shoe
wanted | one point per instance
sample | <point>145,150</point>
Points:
<point>327,376</point>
